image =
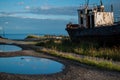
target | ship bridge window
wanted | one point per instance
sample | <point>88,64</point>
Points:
<point>81,17</point>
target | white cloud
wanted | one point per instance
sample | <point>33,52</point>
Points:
<point>48,10</point>
<point>45,7</point>
<point>20,3</point>
<point>1,28</point>
<point>27,7</point>
<point>6,22</point>
<point>45,12</point>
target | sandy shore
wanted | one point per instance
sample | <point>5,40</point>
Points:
<point>72,71</point>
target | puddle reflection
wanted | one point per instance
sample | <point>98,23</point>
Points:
<point>29,65</point>
<point>9,48</point>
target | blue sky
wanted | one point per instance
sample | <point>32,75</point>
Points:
<point>43,8</point>
<point>47,16</point>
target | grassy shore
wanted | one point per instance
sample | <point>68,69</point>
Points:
<point>83,48</point>
<point>108,54</point>
<point>92,62</point>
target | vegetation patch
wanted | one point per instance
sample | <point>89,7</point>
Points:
<point>83,48</point>
<point>100,64</point>
<point>32,36</point>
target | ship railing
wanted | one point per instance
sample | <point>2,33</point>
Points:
<point>106,9</point>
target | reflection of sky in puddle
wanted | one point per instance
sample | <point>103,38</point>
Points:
<point>29,65</point>
<point>9,48</point>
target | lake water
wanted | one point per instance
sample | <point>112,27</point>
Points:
<point>23,36</point>
<point>29,65</point>
<point>9,48</point>
<point>16,36</point>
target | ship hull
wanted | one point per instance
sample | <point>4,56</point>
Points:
<point>106,34</point>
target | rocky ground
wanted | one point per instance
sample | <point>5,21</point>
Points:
<point>72,71</point>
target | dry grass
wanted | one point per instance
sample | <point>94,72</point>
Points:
<point>88,49</point>
<point>92,62</point>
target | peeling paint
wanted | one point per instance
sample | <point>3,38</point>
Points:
<point>103,18</point>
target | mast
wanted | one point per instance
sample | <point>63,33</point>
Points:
<point>111,7</point>
<point>86,6</point>
<point>87,3</point>
<point>101,2</point>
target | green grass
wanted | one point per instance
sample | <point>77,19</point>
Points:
<point>83,48</point>
<point>100,64</point>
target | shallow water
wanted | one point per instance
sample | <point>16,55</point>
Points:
<point>9,48</point>
<point>29,65</point>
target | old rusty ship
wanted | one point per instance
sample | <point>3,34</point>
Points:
<point>95,24</point>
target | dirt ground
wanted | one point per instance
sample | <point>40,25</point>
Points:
<point>72,71</point>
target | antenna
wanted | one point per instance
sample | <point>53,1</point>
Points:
<point>101,2</point>
<point>111,7</point>
<point>86,6</point>
<point>87,3</point>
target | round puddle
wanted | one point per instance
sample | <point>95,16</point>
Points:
<point>9,48</point>
<point>29,65</point>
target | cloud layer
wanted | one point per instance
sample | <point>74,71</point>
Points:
<point>54,10</point>
<point>45,26</point>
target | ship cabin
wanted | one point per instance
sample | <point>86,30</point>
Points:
<point>91,17</point>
